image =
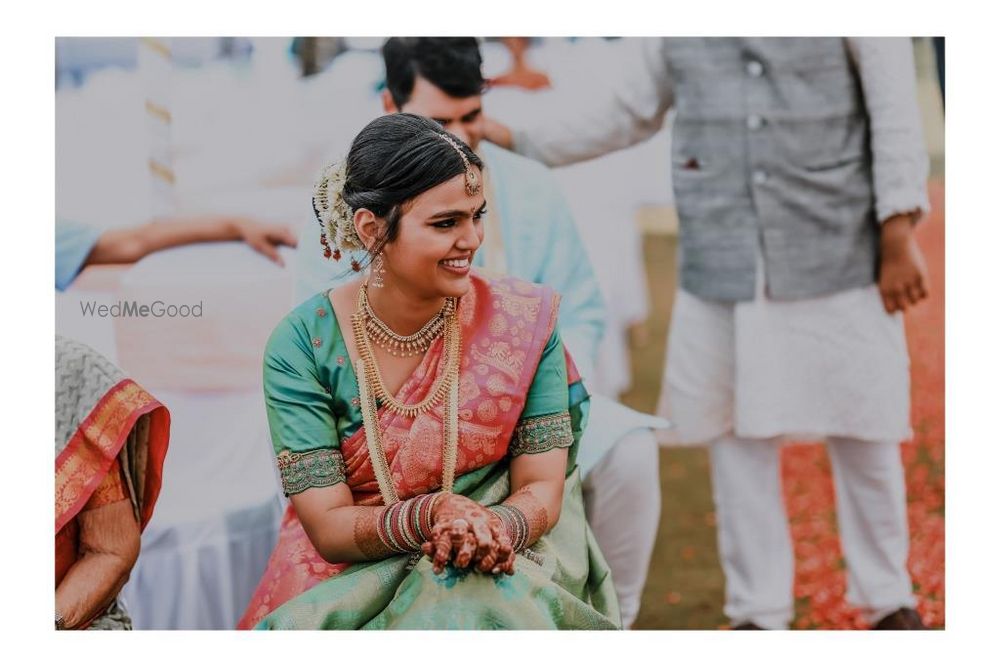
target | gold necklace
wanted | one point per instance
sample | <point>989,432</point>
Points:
<point>369,378</point>
<point>403,346</point>
<point>452,352</point>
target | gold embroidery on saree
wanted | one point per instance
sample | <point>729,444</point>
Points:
<point>91,447</point>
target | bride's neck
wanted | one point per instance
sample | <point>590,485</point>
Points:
<point>404,312</point>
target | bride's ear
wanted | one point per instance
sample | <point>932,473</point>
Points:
<point>367,226</point>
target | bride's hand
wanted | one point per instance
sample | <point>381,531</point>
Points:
<point>503,562</point>
<point>463,533</point>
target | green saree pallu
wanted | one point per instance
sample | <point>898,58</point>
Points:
<point>519,394</point>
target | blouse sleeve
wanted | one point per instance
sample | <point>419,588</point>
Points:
<point>299,412</point>
<point>545,422</point>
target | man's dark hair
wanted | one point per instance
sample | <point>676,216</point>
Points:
<point>453,64</point>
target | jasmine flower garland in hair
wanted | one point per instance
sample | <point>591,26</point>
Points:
<point>333,213</point>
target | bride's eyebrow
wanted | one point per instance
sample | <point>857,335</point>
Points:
<point>455,213</point>
<point>447,214</point>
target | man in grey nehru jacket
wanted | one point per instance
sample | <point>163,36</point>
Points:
<point>799,171</point>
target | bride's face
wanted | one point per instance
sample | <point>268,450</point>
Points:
<point>439,233</point>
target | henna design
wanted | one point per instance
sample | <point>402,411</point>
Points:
<point>534,511</point>
<point>366,536</point>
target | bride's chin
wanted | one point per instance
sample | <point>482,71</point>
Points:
<point>457,287</point>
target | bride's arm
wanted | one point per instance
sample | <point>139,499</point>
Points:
<point>429,524</point>
<point>341,531</point>
<point>537,482</point>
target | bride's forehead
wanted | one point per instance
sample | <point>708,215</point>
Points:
<point>450,195</point>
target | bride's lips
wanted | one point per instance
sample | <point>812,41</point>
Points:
<point>458,266</point>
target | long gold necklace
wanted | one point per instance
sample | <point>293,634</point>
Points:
<point>452,351</point>
<point>372,389</point>
<point>404,346</point>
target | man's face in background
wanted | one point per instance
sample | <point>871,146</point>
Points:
<point>462,116</point>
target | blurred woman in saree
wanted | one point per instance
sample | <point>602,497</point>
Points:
<point>110,441</point>
<point>428,411</point>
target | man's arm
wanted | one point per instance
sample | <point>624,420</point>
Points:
<point>899,163</point>
<point>899,157</point>
<point>624,107</point>
<point>125,246</point>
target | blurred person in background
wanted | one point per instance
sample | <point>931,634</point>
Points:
<point>79,245</point>
<point>530,233</point>
<point>799,171</point>
<point>110,442</point>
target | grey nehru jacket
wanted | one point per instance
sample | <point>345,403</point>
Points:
<point>795,148</point>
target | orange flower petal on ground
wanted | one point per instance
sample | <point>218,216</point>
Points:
<point>820,575</point>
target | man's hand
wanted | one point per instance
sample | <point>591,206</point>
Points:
<point>902,279</point>
<point>265,238</point>
<point>523,77</point>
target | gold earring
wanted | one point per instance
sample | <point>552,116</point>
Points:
<point>377,271</point>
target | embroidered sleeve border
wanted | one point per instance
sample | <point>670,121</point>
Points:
<point>537,435</point>
<point>316,469</point>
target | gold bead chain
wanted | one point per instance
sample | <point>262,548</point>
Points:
<point>452,352</point>
<point>369,378</point>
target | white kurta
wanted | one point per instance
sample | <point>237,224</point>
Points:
<point>835,365</point>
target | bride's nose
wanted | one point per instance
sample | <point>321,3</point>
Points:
<point>469,239</point>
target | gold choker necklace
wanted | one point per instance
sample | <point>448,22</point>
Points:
<point>395,344</point>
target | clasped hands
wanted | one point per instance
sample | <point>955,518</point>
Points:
<point>468,535</point>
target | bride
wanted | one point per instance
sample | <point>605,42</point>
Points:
<point>425,419</point>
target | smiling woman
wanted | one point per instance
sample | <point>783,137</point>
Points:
<point>425,411</point>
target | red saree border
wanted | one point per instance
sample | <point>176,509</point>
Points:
<point>98,440</point>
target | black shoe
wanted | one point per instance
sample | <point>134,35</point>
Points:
<point>747,626</point>
<point>905,618</point>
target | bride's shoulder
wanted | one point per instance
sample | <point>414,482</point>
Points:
<point>318,316</point>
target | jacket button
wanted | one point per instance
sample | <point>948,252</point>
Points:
<point>759,176</point>
<point>754,68</point>
<point>755,122</point>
